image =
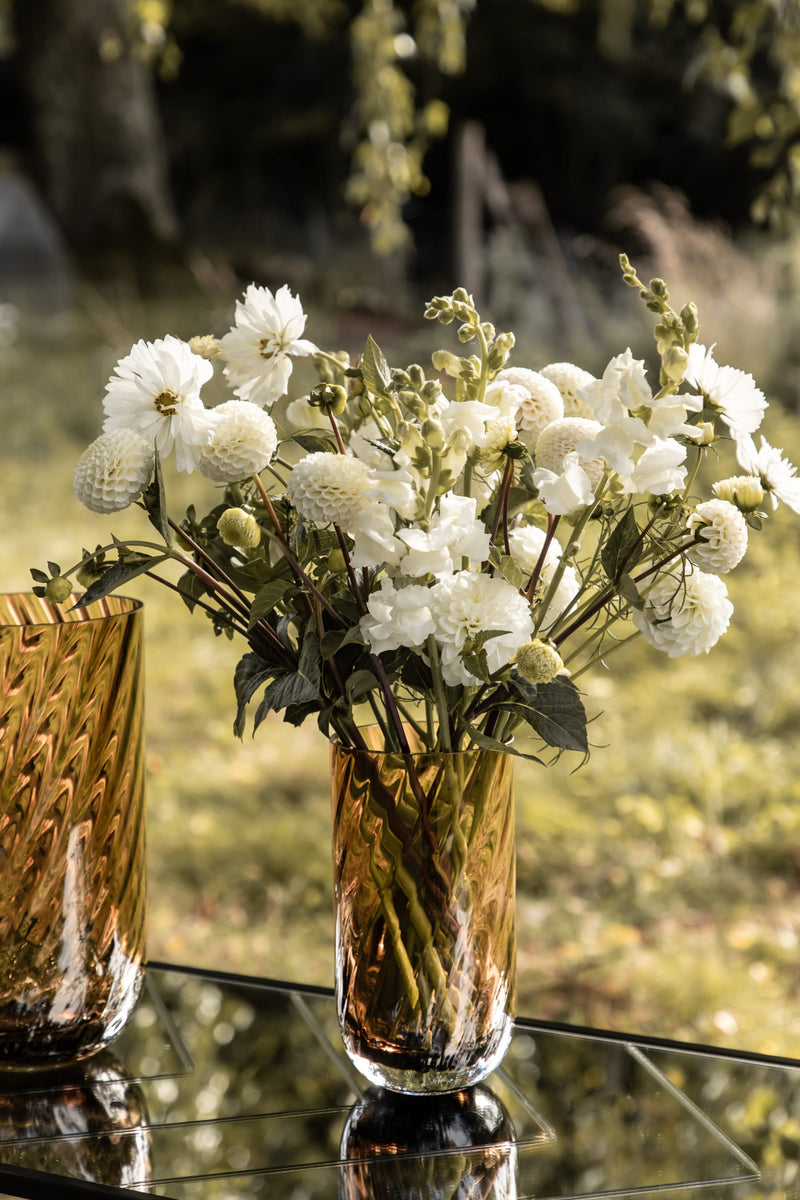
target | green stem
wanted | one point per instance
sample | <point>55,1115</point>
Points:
<point>439,694</point>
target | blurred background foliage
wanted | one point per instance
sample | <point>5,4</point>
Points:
<point>156,157</point>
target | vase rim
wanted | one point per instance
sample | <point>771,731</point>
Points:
<point>25,610</point>
<point>376,745</point>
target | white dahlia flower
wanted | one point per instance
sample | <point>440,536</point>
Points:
<point>267,330</point>
<point>777,475</point>
<point>542,403</point>
<point>242,443</point>
<point>155,389</point>
<point>397,617</point>
<point>739,401</point>
<point>564,437</point>
<point>328,489</point>
<point>723,533</point>
<point>569,380</point>
<point>113,471</point>
<point>468,603</point>
<point>685,616</point>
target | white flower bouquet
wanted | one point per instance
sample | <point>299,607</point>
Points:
<point>444,552</point>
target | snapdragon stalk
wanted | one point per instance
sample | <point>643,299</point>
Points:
<point>439,693</point>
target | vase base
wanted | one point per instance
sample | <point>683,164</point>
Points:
<point>410,1073</point>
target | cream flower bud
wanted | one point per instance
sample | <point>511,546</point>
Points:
<point>538,662</point>
<point>563,437</point>
<point>113,471</point>
<point>674,363</point>
<point>243,440</point>
<point>239,528</point>
<point>722,531</point>
<point>745,491</point>
<point>205,345</point>
<point>329,489</point>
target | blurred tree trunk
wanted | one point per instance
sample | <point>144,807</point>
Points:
<point>99,143</point>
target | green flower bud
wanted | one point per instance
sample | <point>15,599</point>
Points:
<point>336,562</point>
<point>88,573</point>
<point>330,397</point>
<point>433,433</point>
<point>239,528</point>
<point>58,589</point>
<point>538,662</point>
<point>674,363</point>
<point>745,491</point>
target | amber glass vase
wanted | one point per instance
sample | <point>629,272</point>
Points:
<point>424,883</point>
<point>72,837</point>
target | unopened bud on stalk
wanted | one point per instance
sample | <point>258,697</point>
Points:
<point>538,662</point>
<point>745,491</point>
<point>205,345</point>
<point>330,397</point>
<point>674,363</point>
<point>705,434</point>
<point>239,528</point>
<point>58,589</point>
<point>433,433</point>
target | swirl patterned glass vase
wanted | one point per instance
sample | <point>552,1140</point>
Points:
<point>72,835</point>
<point>424,884</point>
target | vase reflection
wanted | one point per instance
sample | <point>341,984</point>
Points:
<point>457,1145</point>
<point>86,1122</point>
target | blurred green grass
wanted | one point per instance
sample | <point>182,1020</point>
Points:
<point>659,886</point>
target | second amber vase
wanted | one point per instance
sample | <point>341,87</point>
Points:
<point>424,885</point>
<point>72,834</point>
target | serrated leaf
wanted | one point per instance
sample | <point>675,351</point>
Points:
<point>623,548</point>
<point>315,442</point>
<point>266,598</point>
<point>555,711</point>
<point>375,369</point>
<point>116,575</point>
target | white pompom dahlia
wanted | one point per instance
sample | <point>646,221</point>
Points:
<point>723,533</point>
<point>243,441</point>
<point>329,489</point>
<point>569,380</point>
<point>564,437</point>
<point>113,471</point>
<point>685,616</point>
<point>542,403</point>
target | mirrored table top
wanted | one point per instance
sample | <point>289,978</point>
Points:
<point>229,1088</point>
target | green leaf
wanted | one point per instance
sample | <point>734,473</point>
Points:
<point>40,576</point>
<point>623,548</point>
<point>117,574</point>
<point>484,742</point>
<point>54,569</point>
<point>154,503</point>
<point>265,600</point>
<point>555,711</point>
<point>286,690</point>
<point>315,442</point>
<point>251,672</point>
<point>359,684</point>
<point>375,369</point>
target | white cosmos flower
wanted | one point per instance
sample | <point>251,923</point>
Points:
<point>113,471</point>
<point>778,476</point>
<point>468,603</point>
<point>685,616</point>
<point>397,617</point>
<point>257,349</point>
<point>735,395</point>
<point>243,441</point>
<point>155,389</point>
<point>328,489</point>
<point>723,533</point>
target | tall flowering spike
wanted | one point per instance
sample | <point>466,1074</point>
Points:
<point>113,471</point>
<point>267,331</point>
<point>243,441</point>
<point>155,390</point>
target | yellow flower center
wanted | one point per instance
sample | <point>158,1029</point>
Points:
<point>167,402</point>
<point>264,348</point>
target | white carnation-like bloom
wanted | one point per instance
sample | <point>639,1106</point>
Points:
<point>542,403</point>
<point>685,616</point>
<point>570,380</point>
<point>328,489</point>
<point>723,533</point>
<point>468,603</point>
<point>155,389</point>
<point>453,534</point>
<point>500,433</point>
<point>113,471</point>
<point>397,617</point>
<point>777,475</point>
<point>566,436</point>
<point>267,330</point>
<point>525,543</point>
<point>735,394</point>
<point>242,443</point>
